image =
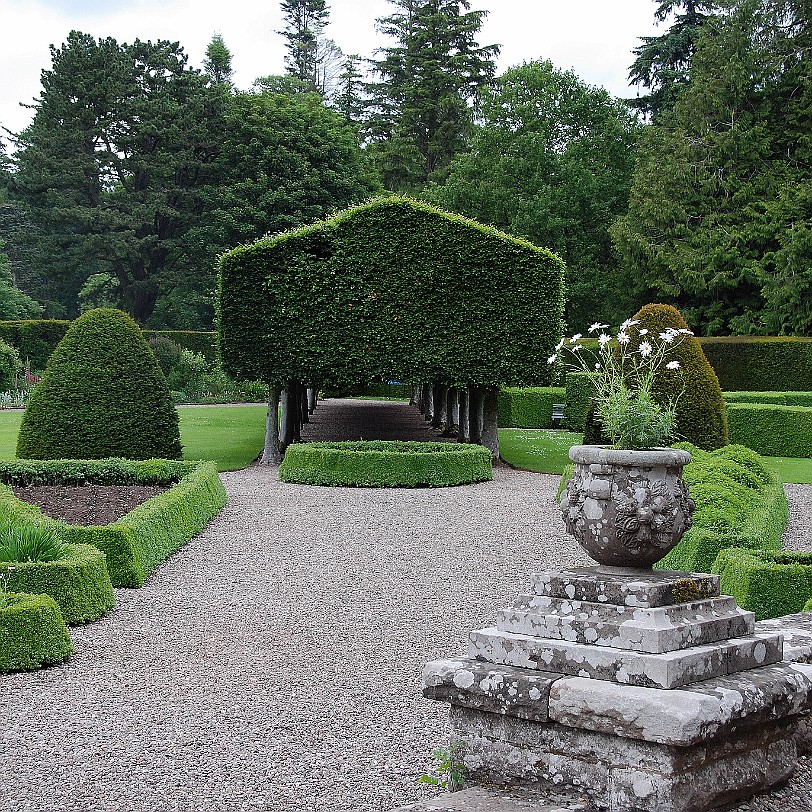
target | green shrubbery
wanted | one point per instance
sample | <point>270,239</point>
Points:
<point>32,632</point>
<point>766,582</point>
<point>777,398</point>
<point>384,464</point>
<point>530,407</point>
<point>772,430</point>
<point>579,393</point>
<point>739,503</point>
<point>102,395</point>
<point>136,543</point>
<point>761,364</point>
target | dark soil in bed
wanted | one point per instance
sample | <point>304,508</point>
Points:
<point>87,504</point>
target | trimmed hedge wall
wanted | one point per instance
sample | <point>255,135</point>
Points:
<point>767,583</point>
<point>32,633</point>
<point>771,430</point>
<point>739,503</point>
<point>579,391</point>
<point>80,584</point>
<point>386,464</point>
<point>529,408</point>
<point>778,398</point>
<point>136,543</point>
<point>391,290</point>
<point>760,363</point>
<point>36,339</point>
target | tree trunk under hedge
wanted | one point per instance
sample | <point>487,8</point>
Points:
<point>451,416</point>
<point>476,405</point>
<point>462,420</point>
<point>428,403</point>
<point>438,400</point>
<point>490,421</point>
<point>288,427</point>
<point>271,455</point>
<point>303,405</point>
<point>311,400</point>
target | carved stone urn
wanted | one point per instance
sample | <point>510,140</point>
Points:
<point>627,509</point>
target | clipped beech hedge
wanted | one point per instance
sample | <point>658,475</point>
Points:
<point>739,503</point>
<point>80,583</point>
<point>386,464</point>
<point>770,429</point>
<point>136,543</point>
<point>32,632</point>
<point>530,407</point>
<point>390,290</point>
<point>761,363</point>
<point>579,393</point>
<point>769,583</point>
<point>778,398</point>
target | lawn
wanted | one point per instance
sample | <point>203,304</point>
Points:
<point>232,436</point>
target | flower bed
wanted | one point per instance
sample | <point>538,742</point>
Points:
<point>384,464</point>
<point>32,632</point>
<point>136,543</point>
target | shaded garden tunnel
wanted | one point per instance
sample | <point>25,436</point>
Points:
<point>390,290</point>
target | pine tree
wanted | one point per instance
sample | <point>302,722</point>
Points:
<point>663,63</point>
<point>421,109</point>
<point>349,100</point>
<point>305,21</point>
<point>217,63</point>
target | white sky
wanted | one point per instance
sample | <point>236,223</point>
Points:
<point>592,37</point>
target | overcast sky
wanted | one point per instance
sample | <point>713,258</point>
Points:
<point>592,37</point>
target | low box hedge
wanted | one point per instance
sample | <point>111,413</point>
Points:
<point>769,583</point>
<point>136,543</point>
<point>739,503</point>
<point>80,583</point>
<point>32,632</point>
<point>778,398</point>
<point>771,429</point>
<point>386,464</point>
<point>529,407</point>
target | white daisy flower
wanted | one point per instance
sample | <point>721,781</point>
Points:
<point>645,349</point>
<point>643,332</point>
<point>667,337</point>
<point>560,344</point>
<point>597,326</point>
<point>552,359</point>
<point>623,338</point>
<point>575,338</point>
<point>604,339</point>
<point>672,365</point>
<point>628,323</point>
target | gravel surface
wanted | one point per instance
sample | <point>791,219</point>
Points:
<point>273,663</point>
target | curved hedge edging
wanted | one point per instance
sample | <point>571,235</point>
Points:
<point>80,584</point>
<point>386,464</point>
<point>32,632</point>
<point>136,543</point>
<point>771,429</point>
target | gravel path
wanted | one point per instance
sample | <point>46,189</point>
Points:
<point>273,663</point>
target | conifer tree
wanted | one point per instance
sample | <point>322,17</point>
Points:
<point>217,63</point>
<point>305,21</point>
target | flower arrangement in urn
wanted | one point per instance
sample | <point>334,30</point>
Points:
<point>627,505</point>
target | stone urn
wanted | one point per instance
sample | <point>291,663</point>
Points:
<point>627,509</point>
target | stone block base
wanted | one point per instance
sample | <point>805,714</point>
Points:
<point>626,774</point>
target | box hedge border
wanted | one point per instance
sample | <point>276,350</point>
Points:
<point>777,398</point>
<point>771,429</point>
<point>32,633</point>
<point>766,582</point>
<point>136,543</point>
<point>529,407</point>
<point>386,464</point>
<point>80,583</point>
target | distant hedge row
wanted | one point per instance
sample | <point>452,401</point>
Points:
<point>770,429</point>
<point>776,398</point>
<point>36,339</point>
<point>529,408</point>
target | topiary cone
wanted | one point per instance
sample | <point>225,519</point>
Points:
<point>701,412</point>
<point>102,395</point>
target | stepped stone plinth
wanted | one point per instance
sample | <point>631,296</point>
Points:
<point>650,692</point>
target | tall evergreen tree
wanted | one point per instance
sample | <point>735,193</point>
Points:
<point>349,95</point>
<point>663,63</point>
<point>305,21</point>
<point>217,63</point>
<point>720,214</point>
<point>421,112</point>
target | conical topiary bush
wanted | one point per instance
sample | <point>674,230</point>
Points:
<point>701,412</point>
<point>102,395</point>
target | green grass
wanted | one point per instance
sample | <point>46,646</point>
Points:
<point>791,469</point>
<point>543,450</point>
<point>232,436</point>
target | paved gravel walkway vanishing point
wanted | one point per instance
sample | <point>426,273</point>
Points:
<point>273,663</point>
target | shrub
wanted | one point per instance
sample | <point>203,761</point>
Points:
<point>739,503</point>
<point>201,342</point>
<point>35,339</point>
<point>579,392</point>
<point>136,543</point>
<point>188,375</point>
<point>778,398</point>
<point>102,395</point>
<point>78,581</point>
<point>807,606</point>
<point>32,632</point>
<point>20,543</point>
<point>386,464</point>
<point>529,408</point>
<point>10,365</point>
<point>772,430</point>
<point>765,582</point>
<point>167,353</point>
<point>701,413</point>
<point>761,364</point>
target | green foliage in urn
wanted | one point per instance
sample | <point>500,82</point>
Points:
<point>102,395</point>
<point>391,290</point>
<point>700,409</point>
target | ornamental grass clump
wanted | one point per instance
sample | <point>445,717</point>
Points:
<point>30,542</point>
<point>623,375</point>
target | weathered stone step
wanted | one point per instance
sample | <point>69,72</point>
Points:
<point>653,630</point>
<point>671,669</point>
<point>644,590</point>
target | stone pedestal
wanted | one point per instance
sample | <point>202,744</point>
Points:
<point>648,692</point>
